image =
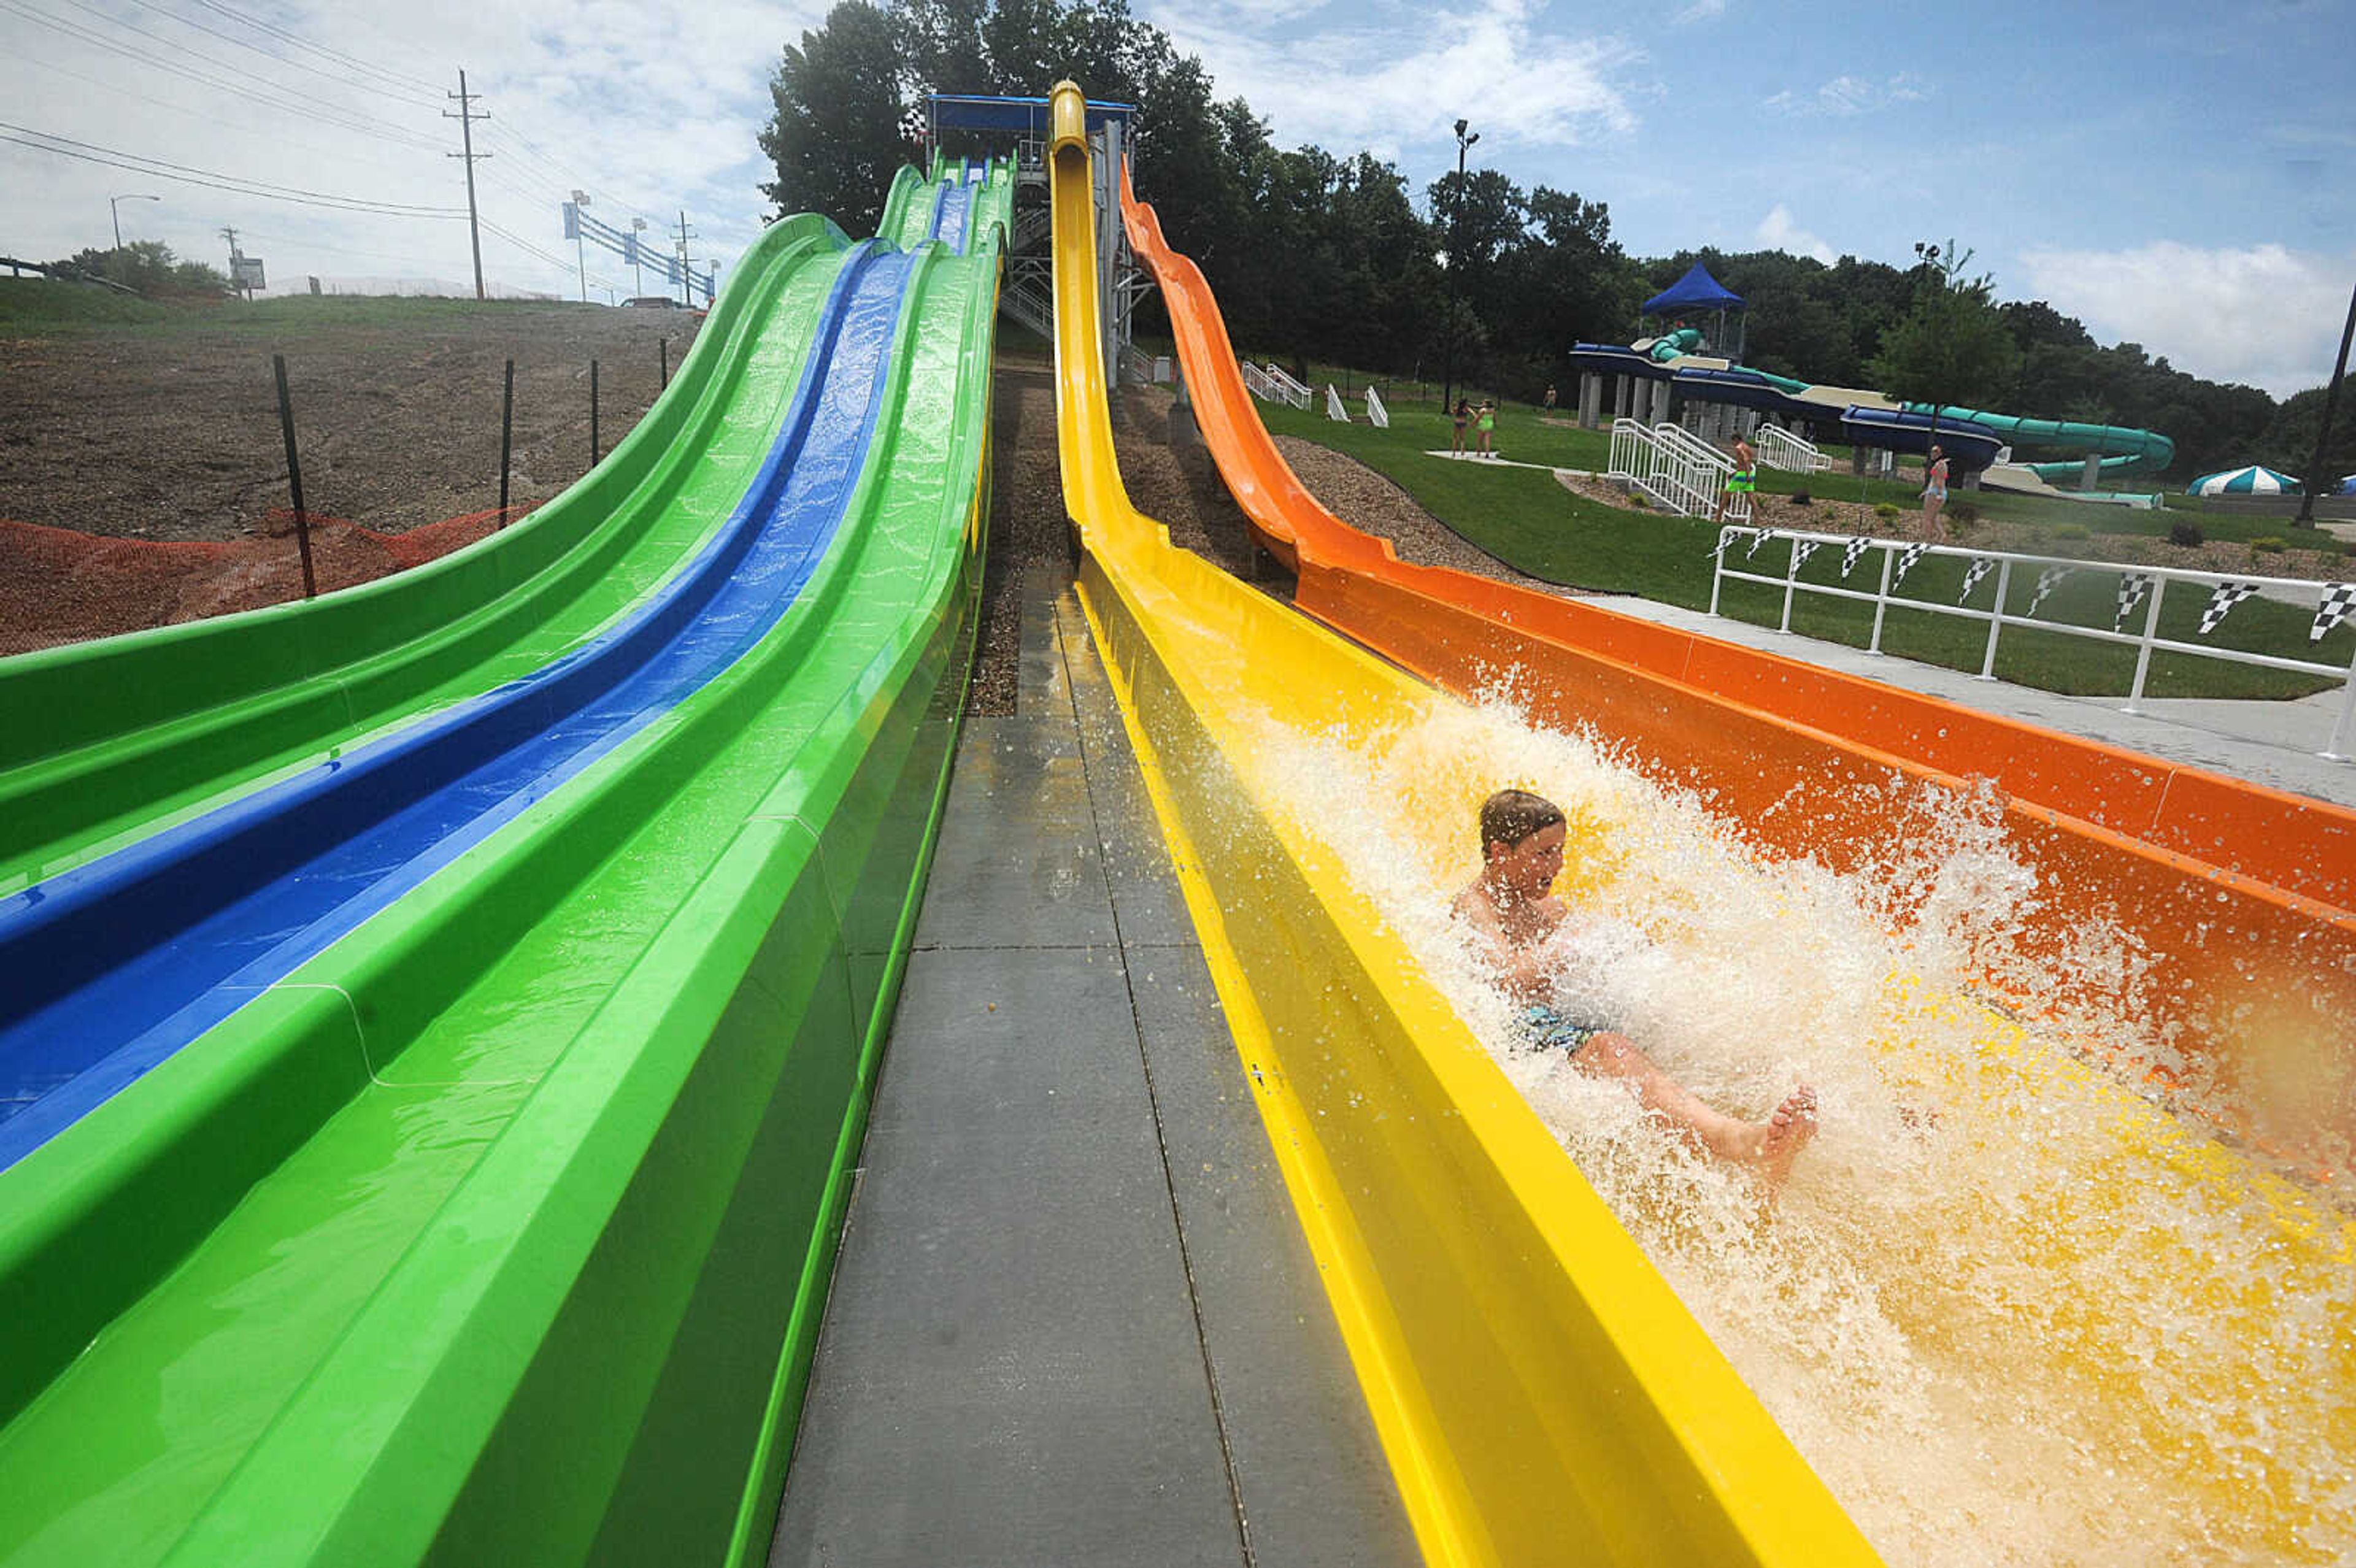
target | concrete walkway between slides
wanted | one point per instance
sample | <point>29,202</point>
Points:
<point>2268,742</point>
<point>1074,1319</point>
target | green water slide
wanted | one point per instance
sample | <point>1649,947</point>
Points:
<point>497,1229</point>
<point>2123,449</point>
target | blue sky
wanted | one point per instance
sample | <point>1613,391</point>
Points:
<point>2182,175</point>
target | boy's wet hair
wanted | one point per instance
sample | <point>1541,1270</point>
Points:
<point>1511,816</point>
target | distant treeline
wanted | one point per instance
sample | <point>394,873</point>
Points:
<point>1321,256</point>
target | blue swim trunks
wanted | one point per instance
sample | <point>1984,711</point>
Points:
<point>1546,1029</point>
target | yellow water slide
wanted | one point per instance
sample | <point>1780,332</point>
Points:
<point>1535,1383</point>
<point>2037,1322</point>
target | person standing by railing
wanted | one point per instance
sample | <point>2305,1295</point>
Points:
<point>1934,495</point>
<point>1743,480</point>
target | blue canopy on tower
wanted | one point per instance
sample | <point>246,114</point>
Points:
<point>1695,290</point>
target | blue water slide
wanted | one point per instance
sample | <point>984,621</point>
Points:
<point>108,968</point>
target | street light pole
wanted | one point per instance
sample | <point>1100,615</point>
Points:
<point>116,213</point>
<point>580,260</point>
<point>638,277</point>
<point>1455,260</point>
<point>2315,474</point>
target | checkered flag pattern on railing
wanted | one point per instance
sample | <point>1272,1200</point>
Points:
<point>1980,567</point>
<point>1802,549</point>
<point>2228,594</point>
<point>2338,600</point>
<point>1906,560</point>
<point>1758,538</point>
<point>2132,588</point>
<point>2046,581</point>
<point>1849,556</point>
<point>1725,537</point>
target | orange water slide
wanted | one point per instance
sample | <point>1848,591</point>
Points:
<point>2242,899</point>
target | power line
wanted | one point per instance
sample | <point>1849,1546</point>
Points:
<point>90,153</point>
<point>341,80</point>
<point>320,49</point>
<point>209,118</point>
<point>325,111</point>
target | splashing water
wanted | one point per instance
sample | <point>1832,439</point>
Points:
<point>2008,1312</point>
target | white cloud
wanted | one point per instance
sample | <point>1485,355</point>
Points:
<point>654,108</point>
<point>1780,231</point>
<point>1350,88</point>
<point>2262,314</point>
<point>1846,95</point>
<point>1701,11</point>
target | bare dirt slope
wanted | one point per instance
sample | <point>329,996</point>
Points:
<point>172,432</point>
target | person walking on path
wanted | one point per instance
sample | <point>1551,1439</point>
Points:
<point>1743,480</point>
<point>1935,494</point>
<point>1549,398</point>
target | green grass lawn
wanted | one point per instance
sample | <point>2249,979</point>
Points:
<point>1525,517</point>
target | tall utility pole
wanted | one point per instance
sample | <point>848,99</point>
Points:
<point>2315,473</point>
<point>465,118</point>
<point>235,256</point>
<point>686,279</point>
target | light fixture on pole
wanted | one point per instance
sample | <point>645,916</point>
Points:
<point>637,278</point>
<point>580,201</point>
<point>1455,258</point>
<point>116,213</point>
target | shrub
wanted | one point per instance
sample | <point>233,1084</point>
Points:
<point>1962,512</point>
<point>1886,510</point>
<point>1802,498</point>
<point>2186,534</point>
<point>2266,544</point>
<point>2073,531</point>
<point>1636,499</point>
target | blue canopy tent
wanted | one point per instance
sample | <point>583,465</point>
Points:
<point>1697,290</point>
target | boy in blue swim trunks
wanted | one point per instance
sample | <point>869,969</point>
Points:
<point>1516,920</point>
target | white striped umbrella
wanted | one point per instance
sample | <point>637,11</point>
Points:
<point>2251,481</point>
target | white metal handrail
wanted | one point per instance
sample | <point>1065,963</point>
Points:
<point>1377,414</point>
<point>1335,409</point>
<point>1272,385</point>
<point>1681,472</point>
<point>1293,388</point>
<point>2339,749</point>
<point>1779,448</point>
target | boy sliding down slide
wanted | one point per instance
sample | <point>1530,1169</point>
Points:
<point>1515,919</point>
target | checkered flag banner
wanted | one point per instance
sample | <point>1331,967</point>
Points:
<point>1758,538</point>
<point>1906,560</point>
<point>1725,537</point>
<point>1856,550</point>
<point>2338,600</point>
<point>914,122</point>
<point>1980,567</point>
<point>2132,588</point>
<point>2046,581</point>
<point>1802,549</point>
<point>2228,594</point>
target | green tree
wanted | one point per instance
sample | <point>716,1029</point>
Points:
<point>150,267</point>
<point>1952,349</point>
<point>835,138</point>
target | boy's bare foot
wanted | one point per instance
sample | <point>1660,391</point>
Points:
<point>1786,1133</point>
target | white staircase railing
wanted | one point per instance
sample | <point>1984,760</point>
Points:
<point>1779,448</point>
<point>1335,410</point>
<point>1677,470</point>
<point>1291,391</point>
<point>1377,414</point>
